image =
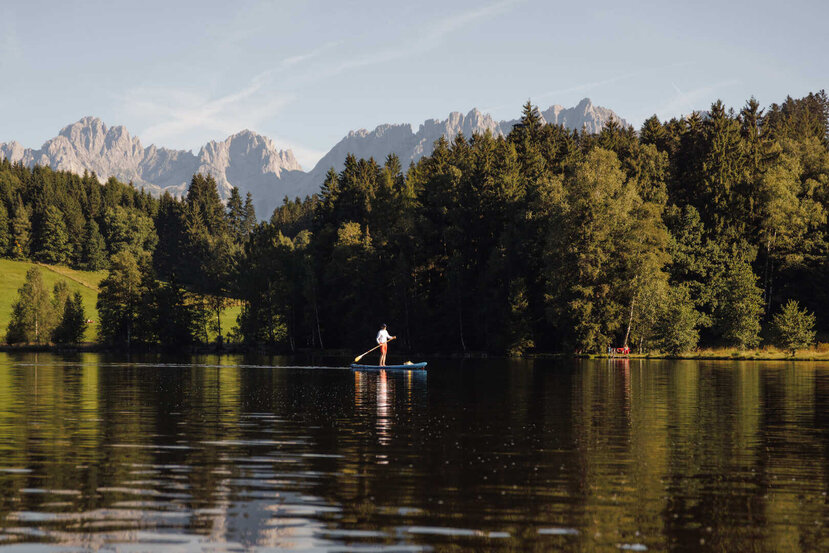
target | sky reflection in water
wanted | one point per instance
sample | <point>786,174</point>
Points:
<point>230,454</point>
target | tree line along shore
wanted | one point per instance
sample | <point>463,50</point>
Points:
<point>694,234</point>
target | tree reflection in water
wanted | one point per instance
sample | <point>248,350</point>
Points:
<point>217,454</point>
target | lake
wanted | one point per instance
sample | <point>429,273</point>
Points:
<point>108,453</point>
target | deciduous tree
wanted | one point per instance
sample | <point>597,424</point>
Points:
<point>33,315</point>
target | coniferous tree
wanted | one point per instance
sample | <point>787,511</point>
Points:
<point>72,325</point>
<point>129,230</point>
<point>203,203</point>
<point>208,251</point>
<point>248,217</point>
<point>5,230</point>
<point>146,327</point>
<point>93,257</point>
<point>175,319</point>
<point>168,257</point>
<point>235,215</point>
<point>794,328</point>
<point>653,132</point>
<point>54,247</point>
<point>545,238</point>
<point>264,288</point>
<point>21,227</point>
<point>722,171</point>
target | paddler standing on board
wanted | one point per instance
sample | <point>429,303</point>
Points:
<point>383,339</point>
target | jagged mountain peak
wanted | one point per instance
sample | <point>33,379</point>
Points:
<point>253,163</point>
<point>246,159</point>
<point>87,121</point>
<point>249,136</point>
<point>380,130</point>
<point>584,104</point>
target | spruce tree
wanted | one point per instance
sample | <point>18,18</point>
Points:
<point>21,227</point>
<point>93,257</point>
<point>54,246</point>
<point>170,226</point>
<point>235,215</point>
<point>175,315</point>
<point>72,325</point>
<point>652,131</point>
<point>129,230</point>
<point>5,230</point>
<point>203,202</point>
<point>794,328</point>
<point>248,217</point>
<point>147,325</point>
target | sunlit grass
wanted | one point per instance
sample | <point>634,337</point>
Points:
<point>13,275</point>
<point>816,353</point>
<point>86,282</point>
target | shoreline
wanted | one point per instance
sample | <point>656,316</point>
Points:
<point>717,355</point>
<point>820,353</point>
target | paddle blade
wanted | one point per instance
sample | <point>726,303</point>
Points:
<point>356,359</point>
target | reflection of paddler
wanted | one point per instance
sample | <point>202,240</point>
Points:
<point>383,340</point>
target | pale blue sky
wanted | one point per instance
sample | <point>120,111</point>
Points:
<point>305,73</point>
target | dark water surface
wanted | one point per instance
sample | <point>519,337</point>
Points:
<point>216,454</point>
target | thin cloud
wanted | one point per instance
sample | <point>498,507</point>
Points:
<point>292,61</point>
<point>428,40</point>
<point>612,80</point>
<point>184,116</point>
<point>683,103</point>
<point>576,88</point>
<point>586,87</point>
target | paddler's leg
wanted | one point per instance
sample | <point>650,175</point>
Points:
<point>383,349</point>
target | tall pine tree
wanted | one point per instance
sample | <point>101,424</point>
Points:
<point>54,245</point>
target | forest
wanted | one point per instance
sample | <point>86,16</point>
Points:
<point>706,230</point>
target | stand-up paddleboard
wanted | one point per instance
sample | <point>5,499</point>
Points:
<point>405,367</point>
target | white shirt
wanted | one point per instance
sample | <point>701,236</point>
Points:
<point>383,336</point>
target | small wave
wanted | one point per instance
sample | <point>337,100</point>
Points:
<point>558,531</point>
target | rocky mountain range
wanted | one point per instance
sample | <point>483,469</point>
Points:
<point>252,162</point>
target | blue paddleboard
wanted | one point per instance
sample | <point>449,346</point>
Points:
<point>410,367</point>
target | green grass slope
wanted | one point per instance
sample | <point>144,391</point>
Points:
<point>13,274</point>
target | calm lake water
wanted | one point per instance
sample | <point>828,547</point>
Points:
<point>236,454</point>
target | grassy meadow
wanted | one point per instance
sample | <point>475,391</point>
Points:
<point>818,352</point>
<point>86,282</point>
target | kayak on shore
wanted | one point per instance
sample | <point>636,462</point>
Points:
<point>405,367</point>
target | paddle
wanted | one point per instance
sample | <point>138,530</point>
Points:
<point>356,359</point>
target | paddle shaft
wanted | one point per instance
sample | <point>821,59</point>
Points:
<point>369,351</point>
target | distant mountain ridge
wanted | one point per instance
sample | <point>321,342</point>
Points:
<point>252,162</point>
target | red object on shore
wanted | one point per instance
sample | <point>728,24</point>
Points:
<point>623,351</point>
